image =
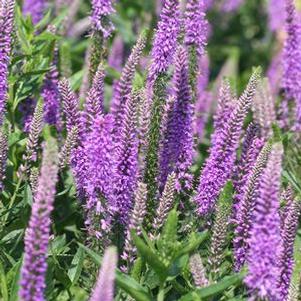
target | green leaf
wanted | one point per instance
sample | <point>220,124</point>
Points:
<point>3,284</point>
<point>217,288</point>
<point>177,266</point>
<point>14,288</point>
<point>132,287</point>
<point>28,195</point>
<point>76,266</point>
<point>195,240</point>
<point>150,257</point>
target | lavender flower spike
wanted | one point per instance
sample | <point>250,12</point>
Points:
<point>51,98</point>
<point>286,258</point>
<point>127,159</point>
<point>124,85</point>
<point>198,271</point>
<point>33,136</point>
<point>32,284</point>
<point>6,25</point>
<point>265,240</point>
<point>292,58</point>
<point>196,25</point>
<point>101,10</point>
<point>104,288</point>
<point>3,156</point>
<point>177,149</point>
<point>70,104</point>
<point>135,223</point>
<point>35,8</point>
<point>166,203</point>
<point>219,165</point>
<point>95,99</point>
<point>98,175</point>
<point>165,43</point>
<point>276,12</point>
<point>245,208</point>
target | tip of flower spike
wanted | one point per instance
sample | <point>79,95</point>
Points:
<point>257,71</point>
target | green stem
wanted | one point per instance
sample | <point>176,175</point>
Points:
<point>12,200</point>
<point>152,156</point>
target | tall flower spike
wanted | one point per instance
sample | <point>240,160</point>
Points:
<point>3,157</point>
<point>165,204</point>
<point>245,208</point>
<point>198,271</point>
<point>32,284</point>
<point>286,258</point>
<point>225,105</point>
<point>70,143</point>
<point>196,25</point>
<point>6,25</point>
<point>292,59</point>
<point>124,85</point>
<point>26,108</point>
<point>35,8</point>
<point>127,159</point>
<point>50,94</point>
<point>165,42</point>
<point>144,123</point>
<point>101,11</point>
<point>220,230</point>
<point>95,98</point>
<point>34,179</point>
<point>135,223</point>
<point>219,165</point>
<point>178,136</point>
<point>276,12</point>
<point>264,108</point>
<point>33,136</point>
<point>99,174</point>
<point>115,59</point>
<point>251,148</point>
<point>104,288</point>
<point>265,240</point>
<point>70,104</point>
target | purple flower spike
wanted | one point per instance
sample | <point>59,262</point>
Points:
<point>98,173</point>
<point>95,99</point>
<point>177,145</point>
<point>50,94</point>
<point>35,8</point>
<point>32,284</point>
<point>245,207</point>
<point>101,10</point>
<point>291,216</point>
<point>70,104</point>
<point>116,56</point>
<point>265,240</point>
<point>123,88</point>
<point>196,25</point>
<point>251,148</point>
<point>219,165</point>
<point>6,25</point>
<point>127,160</point>
<point>276,11</point>
<point>165,43</point>
<point>104,288</point>
<point>292,59</point>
